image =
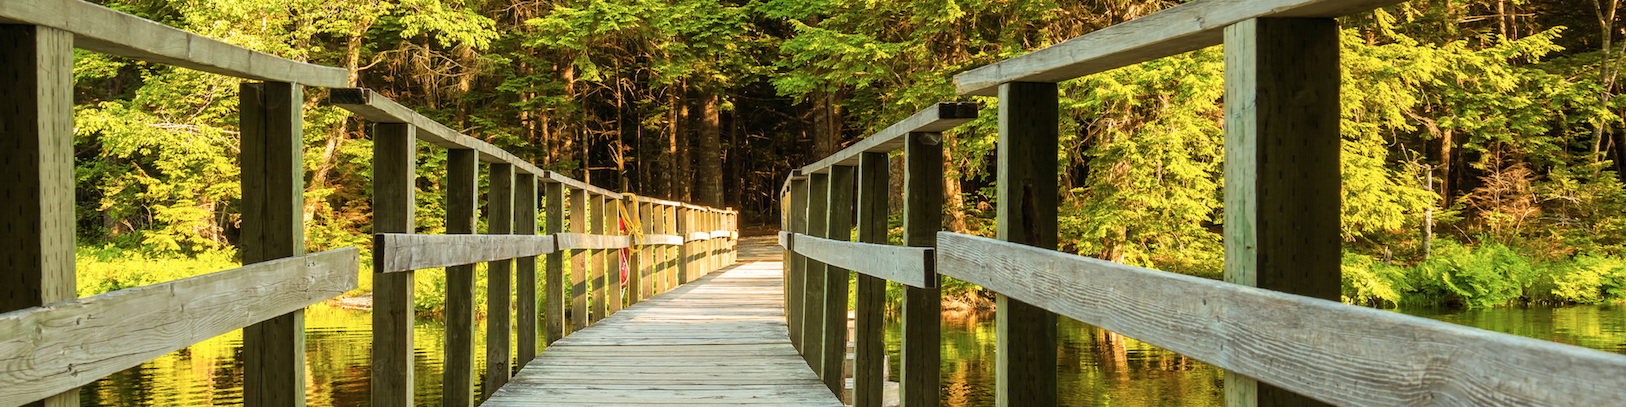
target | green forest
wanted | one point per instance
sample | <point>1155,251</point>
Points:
<point>1484,150</point>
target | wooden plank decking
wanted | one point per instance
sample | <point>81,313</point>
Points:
<point>720,340</point>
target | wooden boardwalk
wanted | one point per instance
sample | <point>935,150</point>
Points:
<point>720,340</point>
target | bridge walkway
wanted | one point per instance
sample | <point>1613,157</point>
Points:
<point>720,340</point>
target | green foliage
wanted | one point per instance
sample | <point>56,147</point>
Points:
<point>1589,279</point>
<point>108,268</point>
<point>1372,283</point>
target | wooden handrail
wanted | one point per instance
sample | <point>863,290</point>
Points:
<point>938,117</point>
<point>1331,351</point>
<point>393,252</point>
<point>911,266</point>
<point>1186,27</point>
<point>54,348</point>
<point>110,31</point>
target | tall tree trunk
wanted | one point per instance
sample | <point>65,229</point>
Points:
<point>682,178</point>
<point>709,154</point>
<point>330,147</point>
<point>954,219</point>
<point>1608,69</point>
<point>565,136</point>
<point>826,127</point>
<point>735,160</point>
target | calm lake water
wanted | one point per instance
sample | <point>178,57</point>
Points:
<point>1097,367</point>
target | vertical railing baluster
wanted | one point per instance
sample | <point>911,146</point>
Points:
<point>612,257</point>
<point>646,254</point>
<point>681,216</point>
<point>273,178</point>
<point>797,267</point>
<point>394,198</point>
<point>870,306</point>
<point>579,260</point>
<point>499,279</point>
<point>818,200</point>
<point>462,183</point>
<point>555,284</point>
<point>525,270</point>
<point>838,226</point>
<point>1027,195</point>
<point>37,173</point>
<point>922,306</point>
<point>595,263</point>
<point>1282,176</point>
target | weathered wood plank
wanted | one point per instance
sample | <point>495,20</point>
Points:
<point>1186,27</point>
<point>108,31</point>
<point>643,267</point>
<point>596,266</point>
<point>379,109</point>
<point>869,302</point>
<point>797,265</point>
<point>612,258</point>
<point>36,156</point>
<point>554,322</point>
<point>920,348</point>
<point>663,240</point>
<point>462,183</point>
<point>394,252</point>
<point>1323,349</point>
<point>555,177</point>
<point>1027,191</point>
<point>906,265</point>
<point>525,201</point>
<point>936,118</point>
<point>838,228</point>
<point>578,261</point>
<point>818,199</point>
<point>273,183</point>
<point>583,241</point>
<point>50,349</point>
<point>499,281</point>
<point>394,199</point>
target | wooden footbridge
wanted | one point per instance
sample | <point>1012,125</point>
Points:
<point>695,327</point>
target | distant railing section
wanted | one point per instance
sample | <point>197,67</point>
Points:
<point>51,343</point>
<point>1275,323</point>
<point>675,243</point>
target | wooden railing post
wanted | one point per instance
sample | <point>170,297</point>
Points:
<point>681,216</point>
<point>394,198</point>
<point>525,269</point>
<point>1281,169</point>
<point>646,254</point>
<point>579,259</point>
<point>462,177</point>
<point>870,307</point>
<point>499,280</point>
<point>818,200</point>
<point>555,283</point>
<point>837,226</point>
<point>612,257</point>
<point>596,261</point>
<point>1027,194</point>
<point>922,306</point>
<point>273,178</point>
<point>36,160</point>
<point>796,268</point>
<point>669,257</point>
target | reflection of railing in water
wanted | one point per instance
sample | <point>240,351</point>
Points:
<point>1276,319</point>
<point>52,343</point>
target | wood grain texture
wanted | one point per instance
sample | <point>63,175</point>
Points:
<point>36,153</point>
<point>554,322</point>
<point>575,184</point>
<point>684,263</point>
<point>462,181</point>
<point>583,241</point>
<point>613,300</point>
<point>663,240</point>
<point>402,252</point>
<point>920,349</point>
<point>1028,198</point>
<point>838,227</point>
<point>394,200</point>
<point>1185,27</point>
<point>109,31</point>
<point>525,279</point>
<point>936,118</point>
<point>818,199</point>
<point>679,348</point>
<point>869,300</point>
<point>1282,145</point>
<point>906,265</point>
<point>50,349</point>
<point>499,281</point>
<point>578,261</point>
<point>796,272</point>
<point>273,183</point>
<point>596,267</point>
<point>379,109</point>
<point>642,263</point>
<point>1333,352</point>
<point>669,218</point>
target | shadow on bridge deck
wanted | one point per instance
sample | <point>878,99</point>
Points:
<point>720,340</point>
